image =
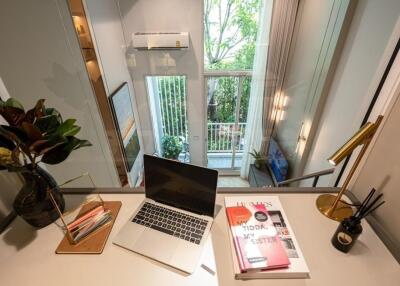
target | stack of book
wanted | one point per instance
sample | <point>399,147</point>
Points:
<point>262,242</point>
<point>89,222</point>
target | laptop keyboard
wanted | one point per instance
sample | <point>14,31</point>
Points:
<point>171,222</point>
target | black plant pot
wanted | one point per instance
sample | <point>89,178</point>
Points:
<point>33,202</point>
<point>258,164</point>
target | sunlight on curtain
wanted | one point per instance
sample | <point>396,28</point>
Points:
<point>253,136</point>
<point>282,26</point>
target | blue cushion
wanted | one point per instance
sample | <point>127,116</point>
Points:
<point>277,161</point>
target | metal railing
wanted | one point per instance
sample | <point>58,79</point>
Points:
<point>315,176</point>
<point>227,137</point>
<point>220,137</point>
<point>172,95</point>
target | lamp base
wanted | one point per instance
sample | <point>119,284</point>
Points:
<point>324,205</point>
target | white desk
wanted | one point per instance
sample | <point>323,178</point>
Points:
<point>27,256</point>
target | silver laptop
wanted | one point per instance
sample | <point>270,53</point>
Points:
<point>172,223</point>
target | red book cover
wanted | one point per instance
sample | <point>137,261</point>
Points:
<point>256,239</point>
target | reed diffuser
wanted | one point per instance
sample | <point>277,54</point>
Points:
<point>350,228</point>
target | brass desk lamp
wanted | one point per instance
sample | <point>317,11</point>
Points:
<point>330,205</point>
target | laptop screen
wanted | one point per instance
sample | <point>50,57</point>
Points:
<point>180,185</point>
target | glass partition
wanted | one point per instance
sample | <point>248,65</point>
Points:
<point>194,104</point>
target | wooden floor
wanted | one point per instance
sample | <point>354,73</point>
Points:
<point>232,181</point>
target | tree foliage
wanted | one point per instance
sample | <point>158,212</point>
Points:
<point>230,33</point>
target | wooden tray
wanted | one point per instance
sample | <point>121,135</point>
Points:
<point>94,243</point>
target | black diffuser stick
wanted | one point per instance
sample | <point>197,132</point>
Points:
<point>371,205</point>
<point>365,202</point>
<point>373,209</point>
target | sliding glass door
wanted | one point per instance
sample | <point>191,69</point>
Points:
<point>230,33</point>
<point>227,105</point>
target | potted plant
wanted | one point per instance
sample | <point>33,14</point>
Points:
<point>171,147</point>
<point>258,158</point>
<point>39,135</point>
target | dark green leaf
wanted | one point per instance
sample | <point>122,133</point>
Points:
<point>12,102</point>
<point>61,152</point>
<point>48,149</point>
<point>65,126</point>
<point>76,143</point>
<point>83,143</point>
<point>43,146</point>
<point>72,131</point>
<point>55,139</point>
<point>55,142</point>
<point>53,111</point>
<point>6,143</point>
<point>56,155</point>
<point>48,123</point>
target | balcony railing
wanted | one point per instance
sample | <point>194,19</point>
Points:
<point>221,137</point>
<point>171,112</point>
<point>228,137</point>
<point>172,101</point>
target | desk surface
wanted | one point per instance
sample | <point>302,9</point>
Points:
<point>27,256</point>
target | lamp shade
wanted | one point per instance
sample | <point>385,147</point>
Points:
<point>357,139</point>
<point>332,206</point>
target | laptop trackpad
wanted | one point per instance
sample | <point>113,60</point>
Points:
<point>157,245</point>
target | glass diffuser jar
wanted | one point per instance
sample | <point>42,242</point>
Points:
<point>346,234</point>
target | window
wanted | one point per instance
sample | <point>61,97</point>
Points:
<point>230,33</point>
<point>167,97</point>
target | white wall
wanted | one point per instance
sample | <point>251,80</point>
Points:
<point>168,16</point>
<point>381,171</point>
<point>40,58</point>
<point>105,21</point>
<point>355,81</point>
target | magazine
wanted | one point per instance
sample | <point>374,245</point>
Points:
<point>298,267</point>
<point>256,239</point>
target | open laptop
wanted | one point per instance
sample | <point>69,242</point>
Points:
<point>172,223</point>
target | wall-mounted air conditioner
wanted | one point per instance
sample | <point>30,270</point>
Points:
<point>160,41</point>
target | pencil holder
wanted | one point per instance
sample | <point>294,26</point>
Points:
<point>346,234</point>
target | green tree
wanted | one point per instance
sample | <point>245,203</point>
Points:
<point>230,33</point>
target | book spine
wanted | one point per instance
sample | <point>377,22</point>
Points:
<point>235,238</point>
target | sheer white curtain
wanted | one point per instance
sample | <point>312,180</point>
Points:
<point>254,134</point>
<point>282,26</point>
